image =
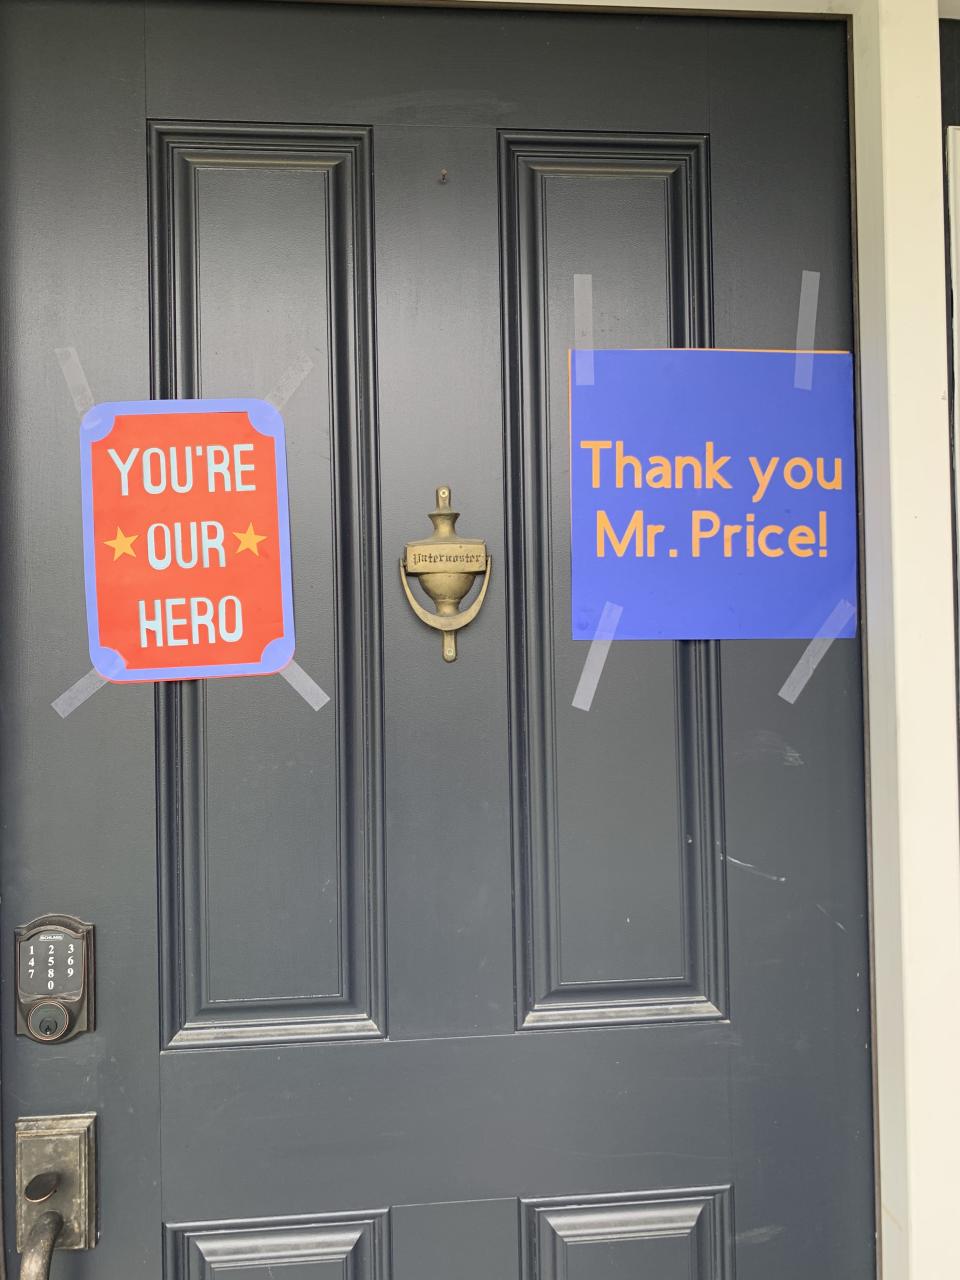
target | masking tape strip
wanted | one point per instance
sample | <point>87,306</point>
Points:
<point>806,330</point>
<point>75,378</point>
<point>78,693</point>
<point>290,382</point>
<point>815,651</point>
<point>583,330</point>
<point>305,685</point>
<point>82,396</point>
<point>597,656</point>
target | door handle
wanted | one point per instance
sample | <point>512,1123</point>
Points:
<point>56,1189</point>
<point>41,1242</point>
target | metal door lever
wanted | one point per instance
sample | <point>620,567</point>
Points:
<point>36,1257</point>
<point>38,1250</point>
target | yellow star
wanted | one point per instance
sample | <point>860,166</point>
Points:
<point>122,544</point>
<point>249,541</point>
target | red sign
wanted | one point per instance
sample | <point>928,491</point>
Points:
<point>186,539</point>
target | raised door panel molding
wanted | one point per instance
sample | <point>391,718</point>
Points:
<point>673,1235</point>
<point>270,815</point>
<point>617,823</point>
<point>352,1248</point>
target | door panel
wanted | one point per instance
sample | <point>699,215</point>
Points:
<point>620,848</point>
<point>672,1237</point>
<point>328,1249</point>
<point>451,976</point>
<point>286,941</point>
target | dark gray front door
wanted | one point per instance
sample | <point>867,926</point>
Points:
<point>448,977</point>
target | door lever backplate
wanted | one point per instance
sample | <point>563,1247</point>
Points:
<point>63,1146</point>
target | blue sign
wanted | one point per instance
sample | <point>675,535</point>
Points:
<point>713,494</point>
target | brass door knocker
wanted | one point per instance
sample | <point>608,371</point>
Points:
<point>447,566</point>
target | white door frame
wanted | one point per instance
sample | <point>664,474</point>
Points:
<point>909,617</point>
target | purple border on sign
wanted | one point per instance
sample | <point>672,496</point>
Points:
<point>97,423</point>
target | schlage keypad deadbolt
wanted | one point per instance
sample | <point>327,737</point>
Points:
<point>54,968</point>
